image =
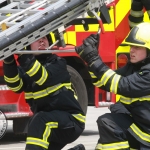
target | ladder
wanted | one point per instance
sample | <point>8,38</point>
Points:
<point>22,22</point>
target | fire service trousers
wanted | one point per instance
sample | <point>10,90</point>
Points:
<point>52,130</point>
<point>114,134</point>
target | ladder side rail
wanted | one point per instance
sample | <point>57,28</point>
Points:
<point>22,12</point>
<point>30,19</point>
<point>27,35</point>
<point>50,15</point>
<point>10,46</point>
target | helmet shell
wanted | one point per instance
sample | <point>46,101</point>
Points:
<point>139,35</point>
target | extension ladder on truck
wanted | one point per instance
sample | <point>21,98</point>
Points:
<point>24,21</point>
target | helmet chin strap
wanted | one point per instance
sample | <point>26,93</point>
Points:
<point>148,52</point>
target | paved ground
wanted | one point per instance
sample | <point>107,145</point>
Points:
<point>89,137</point>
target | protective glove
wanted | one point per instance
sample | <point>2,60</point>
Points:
<point>9,60</point>
<point>88,51</point>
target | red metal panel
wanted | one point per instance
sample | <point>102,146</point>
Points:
<point>121,31</point>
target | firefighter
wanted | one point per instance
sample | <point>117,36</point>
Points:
<point>137,12</point>
<point>58,118</point>
<point>128,124</point>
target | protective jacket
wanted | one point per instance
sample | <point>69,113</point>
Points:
<point>46,83</point>
<point>132,83</point>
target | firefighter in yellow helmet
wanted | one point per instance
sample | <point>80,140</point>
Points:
<point>128,124</point>
<point>137,11</point>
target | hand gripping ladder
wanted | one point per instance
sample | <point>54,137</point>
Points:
<point>24,21</point>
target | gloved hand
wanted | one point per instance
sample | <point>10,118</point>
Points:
<point>9,59</point>
<point>88,51</point>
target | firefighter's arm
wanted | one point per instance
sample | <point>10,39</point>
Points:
<point>134,85</point>
<point>89,53</point>
<point>33,69</point>
<point>11,75</point>
<point>45,75</point>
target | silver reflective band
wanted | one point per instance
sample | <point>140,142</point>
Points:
<point>114,83</point>
<point>128,100</point>
<point>36,141</point>
<point>113,146</point>
<point>136,13</point>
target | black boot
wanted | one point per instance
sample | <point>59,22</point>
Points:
<point>78,147</point>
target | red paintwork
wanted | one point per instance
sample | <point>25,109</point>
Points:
<point>121,31</point>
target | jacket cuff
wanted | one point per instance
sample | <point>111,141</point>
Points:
<point>9,60</point>
<point>98,67</point>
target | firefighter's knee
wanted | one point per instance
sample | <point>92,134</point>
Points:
<point>102,119</point>
<point>36,119</point>
<point>36,122</point>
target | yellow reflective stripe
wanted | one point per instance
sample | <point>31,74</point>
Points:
<point>15,89</point>
<point>81,52</point>
<point>113,146</point>
<point>45,92</point>
<point>47,131</point>
<point>79,117</point>
<point>70,88</point>
<point>106,76</point>
<point>28,95</point>
<point>34,69</point>
<point>38,142</point>
<point>128,100</point>
<point>43,77</point>
<point>139,133</point>
<point>12,80</point>
<point>52,124</point>
<point>136,13</point>
<point>114,83</point>
<point>92,74</point>
<point>98,83</point>
<point>132,24</point>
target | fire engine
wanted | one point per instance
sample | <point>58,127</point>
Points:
<point>23,22</point>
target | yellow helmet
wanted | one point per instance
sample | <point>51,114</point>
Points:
<point>139,35</point>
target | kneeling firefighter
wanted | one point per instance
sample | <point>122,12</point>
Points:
<point>57,116</point>
<point>128,124</point>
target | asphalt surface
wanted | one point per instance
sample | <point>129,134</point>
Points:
<point>88,138</point>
